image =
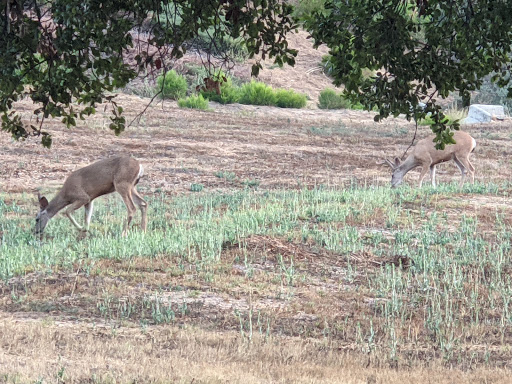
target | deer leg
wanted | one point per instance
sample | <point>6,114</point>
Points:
<point>422,175</point>
<point>469,167</point>
<point>433,175</point>
<point>462,169</point>
<point>126,193</point>
<point>73,207</point>
<point>143,206</point>
<point>88,214</point>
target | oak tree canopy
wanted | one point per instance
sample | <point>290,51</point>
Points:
<point>69,55</point>
<point>417,51</point>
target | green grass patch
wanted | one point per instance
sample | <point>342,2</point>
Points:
<point>456,286</point>
<point>195,225</point>
<point>196,187</point>
<point>194,102</point>
<point>230,176</point>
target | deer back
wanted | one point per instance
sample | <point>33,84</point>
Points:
<point>100,178</point>
<point>426,152</point>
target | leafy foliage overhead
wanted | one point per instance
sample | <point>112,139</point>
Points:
<point>64,53</point>
<point>421,50</point>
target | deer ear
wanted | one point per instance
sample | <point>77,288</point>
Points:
<point>43,202</point>
<point>397,161</point>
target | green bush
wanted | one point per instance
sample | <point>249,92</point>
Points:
<point>307,7</point>
<point>228,92</point>
<point>329,99</point>
<point>194,102</point>
<point>257,93</point>
<point>287,98</point>
<point>172,85</point>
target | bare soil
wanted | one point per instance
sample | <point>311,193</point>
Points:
<point>280,148</point>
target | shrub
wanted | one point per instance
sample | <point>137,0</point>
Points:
<point>228,92</point>
<point>491,93</point>
<point>451,116</point>
<point>215,40</point>
<point>327,65</point>
<point>329,99</point>
<point>140,88</point>
<point>172,85</point>
<point>221,45</point>
<point>257,93</point>
<point>194,102</point>
<point>287,98</point>
<point>307,7</point>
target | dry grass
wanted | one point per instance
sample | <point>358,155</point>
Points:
<point>181,147</point>
<point>63,351</point>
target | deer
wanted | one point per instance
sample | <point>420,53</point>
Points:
<point>117,174</point>
<point>426,156</point>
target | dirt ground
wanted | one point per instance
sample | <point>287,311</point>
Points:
<point>279,148</point>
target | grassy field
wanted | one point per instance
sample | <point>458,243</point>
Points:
<point>275,252</point>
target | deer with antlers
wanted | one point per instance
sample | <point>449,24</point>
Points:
<point>426,156</point>
<point>120,174</point>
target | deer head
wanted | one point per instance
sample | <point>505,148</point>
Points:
<point>42,216</point>
<point>397,174</point>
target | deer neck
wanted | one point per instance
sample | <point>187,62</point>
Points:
<point>55,205</point>
<point>408,164</point>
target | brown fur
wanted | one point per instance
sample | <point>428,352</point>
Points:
<point>119,174</point>
<point>426,156</point>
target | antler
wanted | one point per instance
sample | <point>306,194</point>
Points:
<point>392,164</point>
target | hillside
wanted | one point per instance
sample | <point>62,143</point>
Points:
<point>305,77</point>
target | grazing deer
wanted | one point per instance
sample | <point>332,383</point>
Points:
<point>425,154</point>
<point>119,174</point>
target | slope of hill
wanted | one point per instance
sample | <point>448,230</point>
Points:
<point>306,76</point>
